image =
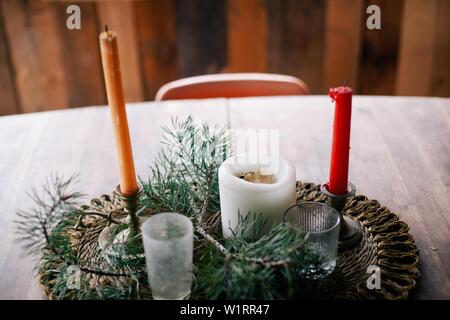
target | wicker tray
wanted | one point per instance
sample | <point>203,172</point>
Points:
<point>386,243</point>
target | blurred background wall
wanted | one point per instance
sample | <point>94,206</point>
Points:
<point>45,66</point>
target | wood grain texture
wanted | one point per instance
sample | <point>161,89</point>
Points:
<point>201,36</point>
<point>378,62</point>
<point>8,99</point>
<point>295,44</point>
<point>120,17</point>
<point>81,60</point>
<point>247,36</point>
<point>342,42</point>
<point>399,156</point>
<point>157,42</point>
<point>417,47</point>
<point>440,82</point>
<point>36,54</point>
<point>67,142</point>
<point>44,66</point>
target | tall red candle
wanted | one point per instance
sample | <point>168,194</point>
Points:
<point>341,139</point>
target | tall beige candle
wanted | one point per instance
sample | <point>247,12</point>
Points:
<point>113,81</point>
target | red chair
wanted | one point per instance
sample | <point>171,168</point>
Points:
<point>231,85</point>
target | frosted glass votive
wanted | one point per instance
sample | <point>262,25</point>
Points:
<point>168,244</point>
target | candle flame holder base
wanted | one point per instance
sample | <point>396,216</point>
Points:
<point>350,234</point>
<point>130,204</point>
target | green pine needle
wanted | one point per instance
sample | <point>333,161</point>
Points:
<point>183,178</point>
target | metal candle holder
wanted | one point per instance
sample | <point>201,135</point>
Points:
<point>350,233</point>
<point>130,203</point>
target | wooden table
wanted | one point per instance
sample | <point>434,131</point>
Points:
<point>400,155</point>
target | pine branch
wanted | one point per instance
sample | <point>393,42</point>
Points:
<point>32,226</point>
<point>54,205</point>
<point>183,179</point>
<point>107,216</point>
<point>199,226</point>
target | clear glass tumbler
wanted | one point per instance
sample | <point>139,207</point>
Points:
<point>168,244</point>
<point>320,224</point>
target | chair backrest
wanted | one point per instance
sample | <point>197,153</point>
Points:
<point>230,85</point>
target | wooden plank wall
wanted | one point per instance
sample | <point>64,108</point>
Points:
<point>45,66</point>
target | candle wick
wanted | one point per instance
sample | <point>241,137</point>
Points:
<point>106,28</point>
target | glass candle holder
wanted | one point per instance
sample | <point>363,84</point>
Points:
<point>168,244</point>
<point>320,224</point>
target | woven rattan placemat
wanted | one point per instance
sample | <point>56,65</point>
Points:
<point>386,243</point>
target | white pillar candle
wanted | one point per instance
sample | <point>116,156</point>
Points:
<point>269,196</point>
